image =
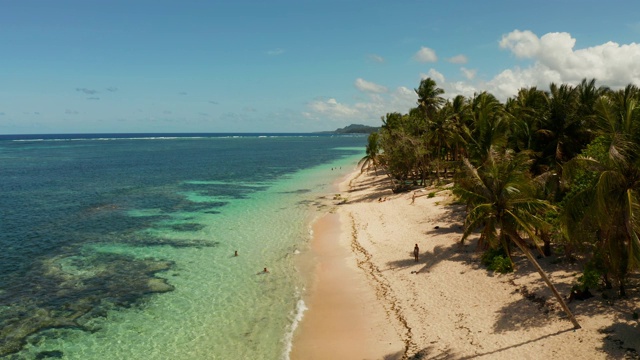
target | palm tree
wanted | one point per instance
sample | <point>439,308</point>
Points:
<point>500,197</point>
<point>528,109</point>
<point>402,149</point>
<point>429,99</point>
<point>487,129</point>
<point>372,153</point>
<point>612,199</point>
<point>563,134</point>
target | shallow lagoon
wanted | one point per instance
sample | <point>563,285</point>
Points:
<point>125,246</point>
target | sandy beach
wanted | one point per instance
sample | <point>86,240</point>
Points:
<point>369,298</point>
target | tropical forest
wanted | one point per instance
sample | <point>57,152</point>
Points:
<point>553,171</point>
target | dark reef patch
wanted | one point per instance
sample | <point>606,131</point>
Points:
<point>185,227</point>
<point>50,355</point>
<point>299,191</point>
<point>69,291</point>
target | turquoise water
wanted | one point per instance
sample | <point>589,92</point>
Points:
<point>186,222</point>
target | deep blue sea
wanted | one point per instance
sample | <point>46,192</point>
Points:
<point>121,246</point>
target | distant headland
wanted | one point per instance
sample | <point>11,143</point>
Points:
<point>353,129</point>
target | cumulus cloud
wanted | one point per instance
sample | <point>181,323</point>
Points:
<point>552,57</point>
<point>523,44</point>
<point>332,108</point>
<point>213,102</point>
<point>458,59</point>
<point>434,74</point>
<point>470,74</point>
<point>112,89</point>
<point>555,59</point>
<point>376,58</point>
<point>402,99</point>
<point>425,55</point>
<point>70,112</point>
<point>368,109</point>
<point>368,86</point>
<point>87,91</point>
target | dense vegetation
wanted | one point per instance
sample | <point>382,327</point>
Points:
<point>557,167</point>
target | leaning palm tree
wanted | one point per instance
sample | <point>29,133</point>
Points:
<point>372,153</point>
<point>501,202</point>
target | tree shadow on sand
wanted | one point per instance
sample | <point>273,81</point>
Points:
<point>537,308</point>
<point>430,352</point>
<point>377,188</point>
<point>622,340</point>
<point>454,216</point>
<point>430,259</point>
<point>622,337</point>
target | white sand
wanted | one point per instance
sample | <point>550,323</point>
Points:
<point>447,305</point>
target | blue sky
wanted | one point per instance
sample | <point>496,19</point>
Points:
<point>289,66</point>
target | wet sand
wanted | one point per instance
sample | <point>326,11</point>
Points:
<point>344,319</point>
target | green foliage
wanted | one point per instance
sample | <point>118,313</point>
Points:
<point>497,260</point>
<point>590,279</point>
<point>431,194</point>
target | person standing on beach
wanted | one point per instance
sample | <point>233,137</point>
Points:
<point>416,252</point>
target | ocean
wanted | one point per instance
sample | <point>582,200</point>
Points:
<point>121,246</point>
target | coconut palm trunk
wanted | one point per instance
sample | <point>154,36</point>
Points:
<point>520,243</point>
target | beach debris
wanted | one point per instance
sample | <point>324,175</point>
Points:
<point>341,200</point>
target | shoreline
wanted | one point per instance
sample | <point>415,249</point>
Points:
<point>344,318</point>
<point>446,305</point>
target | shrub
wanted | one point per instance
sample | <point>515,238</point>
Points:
<point>497,260</point>
<point>590,278</point>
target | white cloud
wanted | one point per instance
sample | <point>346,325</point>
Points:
<point>425,55</point>
<point>552,57</point>
<point>367,110</point>
<point>402,99</point>
<point>368,86</point>
<point>470,74</point>
<point>435,75</point>
<point>524,44</point>
<point>332,108</point>
<point>556,59</point>
<point>376,58</point>
<point>458,59</point>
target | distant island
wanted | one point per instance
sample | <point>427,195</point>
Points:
<point>353,129</point>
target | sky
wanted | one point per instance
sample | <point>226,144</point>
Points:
<point>135,66</point>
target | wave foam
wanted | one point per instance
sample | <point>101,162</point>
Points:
<point>298,314</point>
